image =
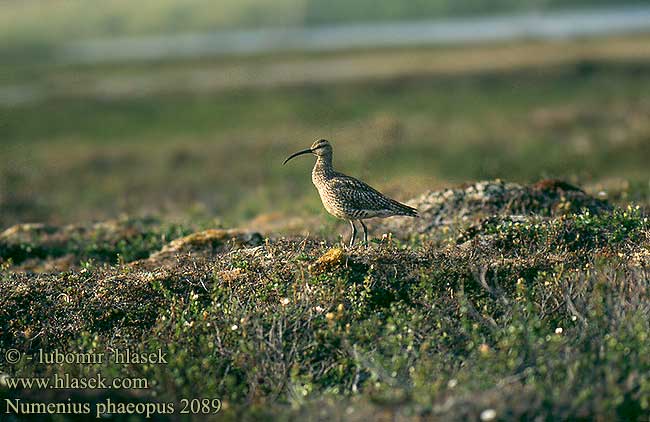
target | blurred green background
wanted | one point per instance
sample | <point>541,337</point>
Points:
<point>203,137</point>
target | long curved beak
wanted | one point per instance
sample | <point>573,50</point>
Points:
<point>304,151</point>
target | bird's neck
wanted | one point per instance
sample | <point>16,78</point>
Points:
<point>323,166</point>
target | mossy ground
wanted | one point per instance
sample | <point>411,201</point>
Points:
<point>542,316</point>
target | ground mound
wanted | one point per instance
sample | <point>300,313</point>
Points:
<point>473,202</point>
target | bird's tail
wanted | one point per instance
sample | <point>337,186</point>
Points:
<point>406,210</point>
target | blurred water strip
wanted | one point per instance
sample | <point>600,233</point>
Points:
<point>543,26</point>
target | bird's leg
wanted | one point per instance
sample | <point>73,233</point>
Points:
<point>354,233</point>
<point>365,232</point>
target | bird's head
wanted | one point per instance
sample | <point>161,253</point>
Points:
<point>320,148</point>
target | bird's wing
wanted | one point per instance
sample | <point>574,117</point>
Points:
<point>362,196</point>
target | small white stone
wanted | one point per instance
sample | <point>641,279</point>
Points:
<point>488,415</point>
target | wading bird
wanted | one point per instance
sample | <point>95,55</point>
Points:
<point>346,197</point>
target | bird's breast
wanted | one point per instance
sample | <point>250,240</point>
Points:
<point>329,198</point>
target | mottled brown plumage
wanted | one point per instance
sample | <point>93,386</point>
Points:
<point>346,197</point>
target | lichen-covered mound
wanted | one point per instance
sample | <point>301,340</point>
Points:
<point>470,203</point>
